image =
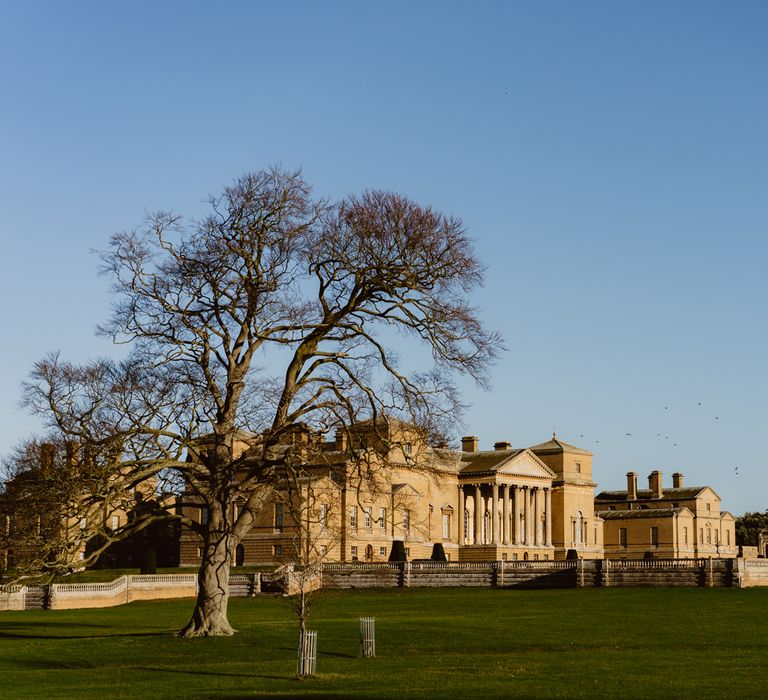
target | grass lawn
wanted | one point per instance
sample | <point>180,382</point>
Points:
<point>590,643</point>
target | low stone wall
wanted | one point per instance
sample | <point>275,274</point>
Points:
<point>126,589</point>
<point>623,573</point>
<point>752,572</point>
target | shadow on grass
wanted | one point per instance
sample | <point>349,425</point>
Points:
<point>46,630</point>
<point>220,674</point>
<point>336,654</point>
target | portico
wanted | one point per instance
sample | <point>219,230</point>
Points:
<point>506,502</point>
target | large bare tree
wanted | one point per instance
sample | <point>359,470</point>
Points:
<point>274,312</point>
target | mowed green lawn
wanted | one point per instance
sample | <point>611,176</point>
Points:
<point>591,643</point>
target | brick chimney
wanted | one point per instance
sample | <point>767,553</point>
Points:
<point>677,480</point>
<point>631,486</point>
<point>654,483</point>
<point>470,443</point>
<point>500,446</point>
<point>341,440</point>
<point>47,457</point>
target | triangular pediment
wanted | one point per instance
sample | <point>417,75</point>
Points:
<point>525,463</point>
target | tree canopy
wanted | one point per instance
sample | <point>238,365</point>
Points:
<point>273,312</point>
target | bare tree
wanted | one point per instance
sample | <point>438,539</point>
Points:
<point>273,313</point>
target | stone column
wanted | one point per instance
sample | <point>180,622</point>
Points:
<point>505,514</point>
<point>548,517</point>
<point>516,514</point>
<point>527,505</point>
<point>478,517</point>
<point>494,514</point>
<point>537,516</point>
<point>460,514</point>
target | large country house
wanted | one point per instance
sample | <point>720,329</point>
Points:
<point>378,483</point>
<point>532,503</point>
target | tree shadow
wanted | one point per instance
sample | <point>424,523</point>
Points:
<point>46,630</point>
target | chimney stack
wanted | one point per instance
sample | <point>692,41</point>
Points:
<point>677,480</point>
<point>631,486</point>
<point>47,457</point>
<point>654,483</point>
<point>500,446</point>
<point>469,443</point>
<point>341,440</point>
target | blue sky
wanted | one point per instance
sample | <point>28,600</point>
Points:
<point>609,159</point>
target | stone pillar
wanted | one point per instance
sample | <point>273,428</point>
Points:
<point>460,514</point>
<point>478,516</point>
<point>548,516</point>
<point>505,514</point>
<point>527,505</point>
<point>516,514</point>
<point>537,516</point>
<point>494,514</point>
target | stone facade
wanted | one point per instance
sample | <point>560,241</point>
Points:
<point>513,504</point>
<point>679,522</point>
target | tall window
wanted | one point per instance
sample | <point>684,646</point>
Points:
<point>709,534</point>
<point>728,538</point>
<point>382,519</point>
<point>115,522</point>
<point>701,535</point>
<point>353,551</point>
<point>578,467</point>
<point>446,526</point>
<point>406,521</point>
<point>407,449</point>
<point>323,516</point>
<point>654,537</point>
<point>353,517</point>
<point>685,535</point>
<point>623,537</point>
<point>279,518</point>
<point>367,517</point>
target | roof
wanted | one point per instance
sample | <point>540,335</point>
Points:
<point>488,460</point>
<point>555,446</point>
<point>647,495</point>
<point>639,514</point>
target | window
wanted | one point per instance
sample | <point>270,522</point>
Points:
<point>578,467</point>
<point>709,535</point>
<point>654,537</point>
<point>382,551</point>
<point>323,516</point>
<point>406,521</point>
<point>716,538</point>
<point>623,537</point>
<point>82,523</point>
<point>407,449</point>
<point>367,517</point>
<point>353,517</point>
<point>728,537</point>
<point>709,506</point>
<point>205,515</point>
<point>382,519</point>
<point>701,535</point>
<point>323,550</point>
<point>353,551</point>
<point>277,550</point>
<point>115,522</point>
<point>446,526</point>
<point>278,517</point>
<point>685,535</point>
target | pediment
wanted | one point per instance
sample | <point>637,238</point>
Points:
<point>525,463</point>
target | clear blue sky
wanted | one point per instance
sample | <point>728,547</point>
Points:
<point>610,160</point>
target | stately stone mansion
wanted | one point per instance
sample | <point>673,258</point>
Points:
<point>531,503</point>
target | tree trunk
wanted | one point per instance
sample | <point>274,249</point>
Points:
<point>209,617</point>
